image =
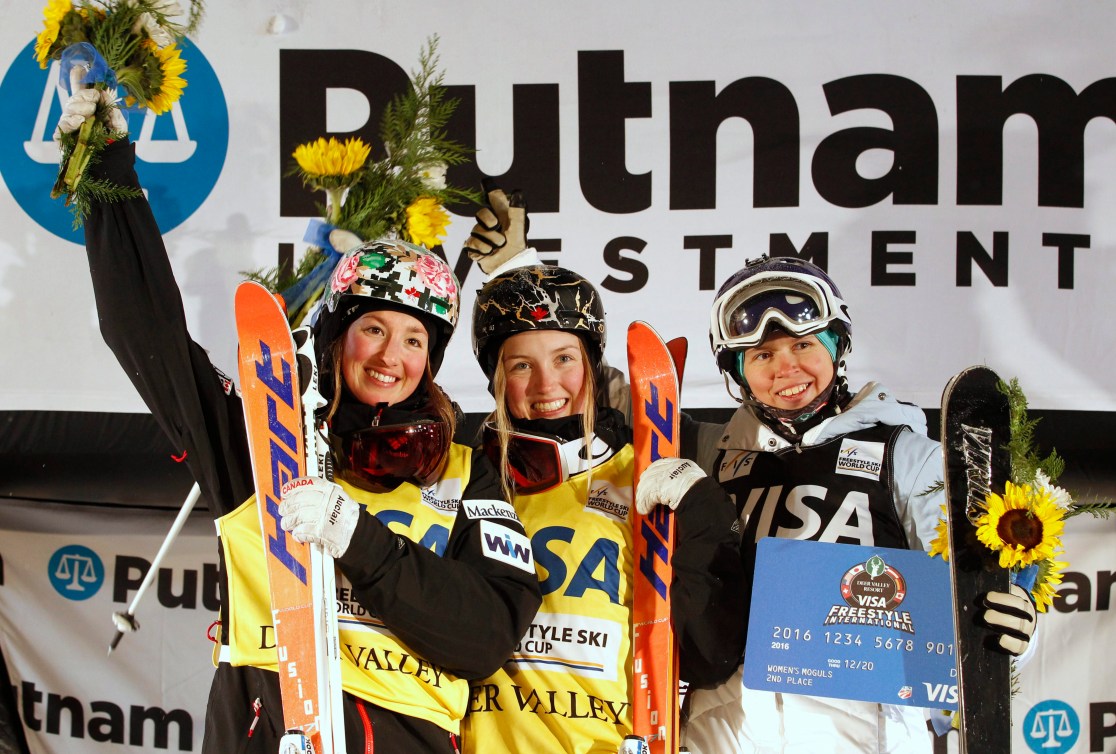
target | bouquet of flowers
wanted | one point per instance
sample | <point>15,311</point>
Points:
<point>402,195</point>
<point>1024,525</point>
<point>108,44</point>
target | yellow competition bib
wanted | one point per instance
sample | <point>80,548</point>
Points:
<point>566,688</point>
<point>375,665</point>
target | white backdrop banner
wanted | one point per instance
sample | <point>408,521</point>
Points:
<point>65,571</point>
<point>950,163</point>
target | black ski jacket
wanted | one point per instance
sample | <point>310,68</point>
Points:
<point>142,320</point>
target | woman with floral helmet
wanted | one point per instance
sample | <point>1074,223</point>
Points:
<point>427,597</point>
<point>780,330</point>
<point>567,462</point>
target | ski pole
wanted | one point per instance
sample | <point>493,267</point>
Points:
<point>127,621</point>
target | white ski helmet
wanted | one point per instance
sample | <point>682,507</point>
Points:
<point>786,292</point>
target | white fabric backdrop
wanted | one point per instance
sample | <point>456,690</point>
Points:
<point>1055,339</point>
<point>912,338</point>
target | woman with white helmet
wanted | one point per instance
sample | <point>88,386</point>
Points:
<point>425,601</point>
<point>781,331</point>
<point>567,460</point>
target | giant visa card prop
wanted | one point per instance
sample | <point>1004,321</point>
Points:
<point>867,623</point>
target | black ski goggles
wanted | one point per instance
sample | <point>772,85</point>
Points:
<point>381,458</point>
<point>537,463</point>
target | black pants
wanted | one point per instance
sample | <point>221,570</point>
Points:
<point>368,728</point>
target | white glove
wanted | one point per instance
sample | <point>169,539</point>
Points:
<point>665,482</point>
<point>319,512</point>
<point>342,240</point>
<point>83,104</point>
<point>501,230</point>
<point>1013,616</point>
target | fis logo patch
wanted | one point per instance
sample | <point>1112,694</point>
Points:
<point>179,154</point>
<point>506,545</point>
<point>610,501</point>
<point>736,463</point>
<point>444,496</point>
<point>859,458</point>
<point>489,509</point>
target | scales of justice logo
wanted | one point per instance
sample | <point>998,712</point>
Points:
<point>872,592</point>
<point>76,572</point>
<point>180,154</point>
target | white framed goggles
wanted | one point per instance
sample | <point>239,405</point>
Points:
<point>798,305</point>
<point>537,463</point>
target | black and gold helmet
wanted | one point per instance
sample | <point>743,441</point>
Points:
<point>540,297</point>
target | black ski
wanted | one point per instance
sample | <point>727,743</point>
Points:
<point>976,427</point>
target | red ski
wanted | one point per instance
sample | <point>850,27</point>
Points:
<point>655,430</point>
<point>299,575</point>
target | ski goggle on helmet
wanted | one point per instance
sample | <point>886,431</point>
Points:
<point>796,295</point>
<point>381,458</point>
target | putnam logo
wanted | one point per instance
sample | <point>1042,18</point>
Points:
<point>179,154</point>
<point>76,572</point>
<point>1052,727</point>
<point>489,509</point>
<point>862,459</point>
<point>506,545</point>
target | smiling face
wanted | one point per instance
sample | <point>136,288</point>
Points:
<point>384,355</point>
<point>545,374</point>
<point>787,372</point>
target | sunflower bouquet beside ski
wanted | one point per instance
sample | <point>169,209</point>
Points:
<point>403,194</point>
<point>104,46</point>
<point>1024,525</point>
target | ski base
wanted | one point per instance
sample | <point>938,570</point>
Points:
<point>976,427</point>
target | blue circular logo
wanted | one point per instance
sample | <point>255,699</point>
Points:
<point>1051,727</point>
<point>179,154</point>
<point>76,572</point>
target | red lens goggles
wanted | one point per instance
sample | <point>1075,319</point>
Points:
<point>538,463</point>
<point>535,463</point>
<point>381,458</point>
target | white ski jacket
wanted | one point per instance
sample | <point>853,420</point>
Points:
<point>731,718</point>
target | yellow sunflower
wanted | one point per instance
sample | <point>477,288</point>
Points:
<point>426,222</point>
<point>330,158</point>
<point>1049,576</point>
<point>53,14</point>
<point>940,545</point>
<point>171,66</point>
<point>1024,525</point>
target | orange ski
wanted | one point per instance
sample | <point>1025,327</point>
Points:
<point>655,429</point>
<point>273,414</point>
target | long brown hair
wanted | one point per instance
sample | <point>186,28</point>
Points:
<point>502,418</point>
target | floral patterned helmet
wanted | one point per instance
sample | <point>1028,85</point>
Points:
<point>540,297</point>
<point>391,274</point>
